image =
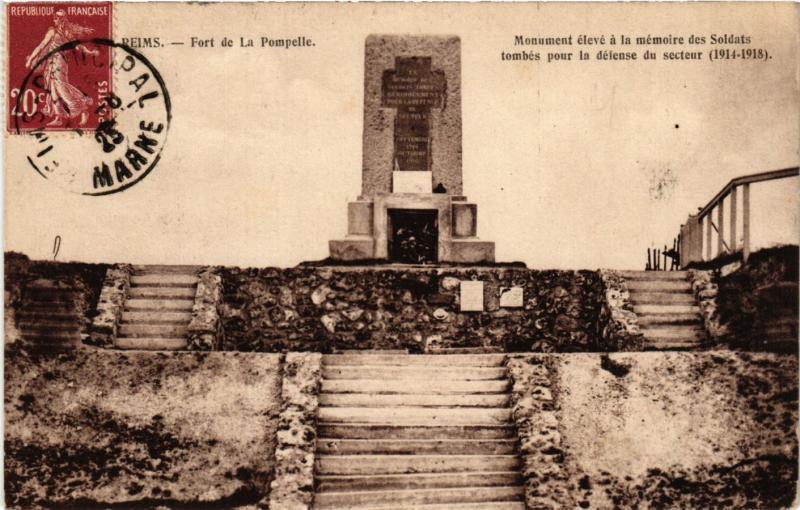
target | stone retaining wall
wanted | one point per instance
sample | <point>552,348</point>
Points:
<point>321,308</point>
<point>205,328</point>
<point>293,485</point>
<point>533,402</point>
<point>618,325</point>
<point>757,297</point>
<point>116,284</point>
<point>705,292</point>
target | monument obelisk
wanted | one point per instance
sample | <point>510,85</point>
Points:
<point>411,208</point>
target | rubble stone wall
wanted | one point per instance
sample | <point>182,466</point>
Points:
<point>205,329</point>
<point>618,324</point>
<point>321,308</point>
<point>705,292</point>
<point>534,411</point>
<point>105,323</point>
<point>293,485</point>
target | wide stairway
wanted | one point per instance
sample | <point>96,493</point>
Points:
<point>158,308</point>
<point>665,305</point>
<point>48,318</point>
<point>428,432</point>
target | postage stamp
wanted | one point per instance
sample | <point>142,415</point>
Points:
<point>64,86</point>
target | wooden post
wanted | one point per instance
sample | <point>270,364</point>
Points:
<point>708,235</point>
<point>746,222</point>
<point>733,243</point>
<point>721,227</point>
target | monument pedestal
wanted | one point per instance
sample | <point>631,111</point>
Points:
<point>371,226</point>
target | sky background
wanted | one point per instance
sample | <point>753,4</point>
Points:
<point>564,160</point>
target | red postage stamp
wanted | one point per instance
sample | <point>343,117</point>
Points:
<point>55,82</point>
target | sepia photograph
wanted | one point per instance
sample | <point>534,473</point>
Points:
<point>401,256</point>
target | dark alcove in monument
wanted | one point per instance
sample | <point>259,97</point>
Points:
<point>413,236</point>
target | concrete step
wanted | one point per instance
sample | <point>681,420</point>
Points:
<point>164,280</point>
<point>665,309</point>
<point>162,292</point>
<point>662,298</point>
<point>658,286</point>
<point>660,319</point>
<point>655,275</point>
<point>429,386</point>
<point>782,331</point>
<point>47,297</point>
<point>160,269</point>
<point>673,332</point>
<point>395,464</point>
<point>356,499</point>
<point>416,481</point>
<point>394,431</point>
<point>484,505</point>
<point>416,446</point>
<point>153,330</point>
<point>415,415</point>
<point>409,360</point>
<point>48,307</point>
<point>672,345</point>
<point>47,284</point>
<point>424,373</point>
<point>150,344</point>
<point>152,317</point>
<point>51,325</point>
<point>39,314</point>
<point>380,400</point>
<point>52,336</point>
<point>371,352</point>
<point>159,305</point>
<point>46,345</point>
<point>467,350</point>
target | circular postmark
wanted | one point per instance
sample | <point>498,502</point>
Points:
<point>102,116</point>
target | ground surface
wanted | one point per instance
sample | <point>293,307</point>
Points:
<point>680,430</point>
<point>106,428</point>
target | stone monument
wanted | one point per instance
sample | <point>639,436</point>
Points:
<point>411,208</point>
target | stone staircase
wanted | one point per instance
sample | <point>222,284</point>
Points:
<point>158,308</point>
<point>428,432</point>
<point>48,319</point>
<point>668,314</point>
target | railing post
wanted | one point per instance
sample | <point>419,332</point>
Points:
<point>690,241</point>
<point>708,235</point>
<point>746,222</point>
<point>733,242</point>
<point>721,227</point>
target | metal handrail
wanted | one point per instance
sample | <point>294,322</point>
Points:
<point>746,179</point>
<point>692,244</point>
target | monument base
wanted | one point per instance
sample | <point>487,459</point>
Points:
<point>373,230</point>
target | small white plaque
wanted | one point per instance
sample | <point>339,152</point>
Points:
<point>471,296</point>
<point>412,182</point>
<point>511,297</point>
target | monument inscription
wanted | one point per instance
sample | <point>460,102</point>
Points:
<point>413,88</point>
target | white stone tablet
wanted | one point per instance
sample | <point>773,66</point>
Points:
<point>511,297</point>
<point>412,182</point>
<point>471,296</point>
